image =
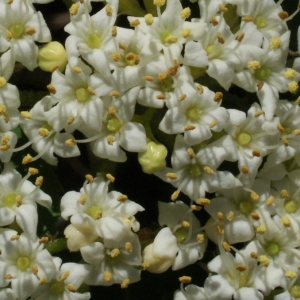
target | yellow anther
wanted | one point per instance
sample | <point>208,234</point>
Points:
<point>98,215</point>
<point>189,127</point>
<point>240,37</point>
<point>200,89</point>
<point>114,252</point>
<point>253,255</point>
<point>64,275</point>
<point>182,97</point>
<point>159,3</point>
<point>280,128</point>
<point>2,82</point>
<point>290,74</point>
<point>256,153</point>
<point>125,283</point>
<point>213,124</point>
<point>74,9</point>
<point>39,181</point>
<point>42,280</point>
<point>253,65</point>
<point>200,238</point>
<point>190,153</point>
<point>222,8</point>
<point>293,87</point>
<point>226,246</point>
<point>283,15</point>
<point>255,216</point>
<point>290,274</point>
<point>175,195</point>
<point>111,111</point>
<point>172,71</point>
<point>43,132</point>
<point>4,147</point>
<point>5,139</point>
<point>284,141</point>
<point>128,247</point>
<point>18,200</point>
<point>241,268</point>
<point>71,288</point>
<point>297,131</point>
<point>185,13</point>
<point>208,170</point>
<point>247,19</point>
<point>89,178</point>
<point>8,35</point>
<point>185,279</point>
<point>270,200</point>
<point>145,265</point>
<point>110,177</point>
<point>160,97</point>
<point>7,276</point>
<point>148,78</point>
<point>33,171</point>
<point>261,229</point>
<point>122,46</point>
<point>76,69</point>
<point>171,39</point>
<point>148,19</point>
<point>203,201</point>
<point>258,113</point>
<point>275,43</point>
<point>34,269</point>
<point>107,276</point>
<point>51,88</point>
<point>108,10</point>
<point>196,207</point>
<point>27,159</point>
<point>185,32</point>
<point>220,38</point>
<point>220,216</point>
<point>259,85</point>
<point>30,31</point>
<point>82,199</point>
<point>244,169</point>
<point>134,23</point>
<point>263,260</point>
<point>91,91</point>
<point>70,120</point>
<point>122,198</point>
<point>14,237</point>
<point>230,216</point>
<point>185,224</point>
<point>115,56</point>
<point>218,97</point>
<point>171,176</point>
<point>214,21</point>
<point>162,76</point>
<point>254,196</point>
<point>284,194</point>
<point>114,31</point>
<point>110,140</point>
<point>70,142</point>
<point>285,221</point>
<point>219,229</point>
<point>43,240</point>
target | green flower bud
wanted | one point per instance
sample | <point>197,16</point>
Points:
<point>51,56</point>
<point>154,158</point>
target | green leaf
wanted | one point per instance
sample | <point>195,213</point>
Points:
<point>131,8</point>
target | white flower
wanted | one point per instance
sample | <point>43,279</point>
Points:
<point>63,286</point>
<point>20,27</point>
<point>18,199</point>
<point>24,263</point>
<point>296,64</point>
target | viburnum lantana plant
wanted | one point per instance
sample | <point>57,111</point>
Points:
<point>164,159</point>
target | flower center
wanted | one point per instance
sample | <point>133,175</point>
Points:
<point>193,113</point>
<point>112,259</point>
<point>211,50</point>
<point>262,73</point>
<point>164,35</point>
<point>94,211</point>
<point>242,280</point>
<point>131,59</point>
<point>82,94</point>
<point>246,207</point>
<point>195,170</point>
<point>23,263</point>
<point>16,31</point>
<point>10,199</point>
<point>180,234</point>
<point>47,126</point>
<point>57,287</point>
<point>272,248</point>
<point>260,22</point>
<point>113,124</point>
<point>295,291</point>
<point>290,206</point>
<point>166,85</point>
<point>243,139</point>
<point>93,41</point>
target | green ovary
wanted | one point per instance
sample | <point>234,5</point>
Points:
<point>23,263</point>
<point>93,41</point>
<point>57,287</point>
<point>195,170</point>
<point>211,49</point>
<point>295,291</point>
<point>94,211</point>
<point>272,248</point>
<point>290,206</point>
<point>16,31</point>
<point>10,199</point>
<point>181,234</point>
<point>166,85</point>
<point>193,114</point>
<point>242,280</point>
<point>47,126</point>
<point>112,260</point>
<point>82,94</point>
<point>260,22</point>
<point>244,139</point>
<point>164,35</point>
<point>262,73</point>
<point>246,207</point>
<point>113,124</point>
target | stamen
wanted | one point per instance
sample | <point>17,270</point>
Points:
<point>263,260</point>
<point>82,199</point>
<point>110,177</point>
<point>190,153</point>
<point>34,269</point>
<point>108,10</point>
<point>213,124</point>
<point>122,198</point>
<point>107,276</point>
<point>230,216</point>
<point>218,97</point>
<point>244,169</point>
<point>134,23</point>
<point>42,280</point>
<point>128,247</point>
<point>247,19</point>
<point>71,288</point>
<point>185,279</point>
<point>70,142</point>
<point>14,237</point>
<point>261,229</point>
<point>256,153</point>
<point>293,87</point>
<point>284,194</point>
<point>220,38</point>
<point>240,37</point>
<point>226,246</point>
<point>26,114</point>
<point>203,201</point>
<point>209,170</point>
<point>125,283</point>
<point>189,127</point>
<point>222,8</point>
<point>185,13</point>
<point>30,31</point>
<point>122,46</point>
<point>148,19</point>
<point>275,43</point>
<point>254,255</point>
<point>200,89</point>
<point>200,238</point>
<point>220,216</point>
<point>255,216</point>
<point>241,268</point>
<point>283,15</point>
<point>161,97</point>
<point>214,21</point>
<point>110,140</point>
<point>74,9</point>
<point>171,176</point>
<point>51,88</point>
<point>270,200</point>
<point>285,221</point>
<point>27,159</point>
<point>290,274</point>
<point>258,113</point>
<point>89,178</point>
<point>39,181</point>
<point>43,240</point>
<point>64,275</point>
<point>175,195</point>
<point>254,196</point>
<point>196,207</point>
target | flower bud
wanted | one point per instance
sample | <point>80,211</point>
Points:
<point>154,158</point>
<point>51,56</point>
